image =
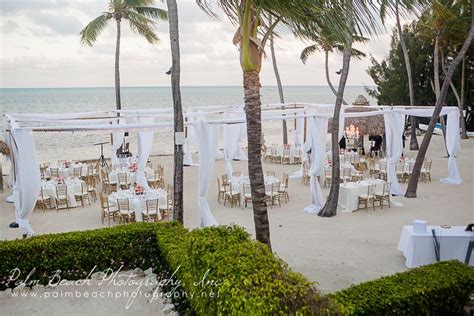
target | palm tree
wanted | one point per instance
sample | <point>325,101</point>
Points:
<point>440,100</point>
<point>178,110</point>
<point>327,42</point>
<point>278,79</point>
<point>140,15</point>
<point>411,88</point>
<point>253,31</point>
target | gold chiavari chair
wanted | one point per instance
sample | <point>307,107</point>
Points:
<point>346,174</point>
<point>83,195</point>
<point>285,157</point>
<point>369,198</point>
<point>276,193</point>
<point>383,170</point>
<point>399,167</point>
<point>225,180</point>
<point>268,194</point>
<point>426,170</point>
<point>220,192</point>
<point>152,211</point>
<point>44,201</point>
<point>91,187</point>
<point>305,179</point>
<point>123,181</point>
<point>54,172</point>
<point>384,195</point>
<point>232,197</point>
<point>125,214</point>
<point>107,211</point>
<point>166,209</point>
<point>61,197</point>
<point>298,155</point>
<point>247,194</point>
<point>283,191</point>
<point>77,172</point>
<point>408,172</point>
<point>327,176</point>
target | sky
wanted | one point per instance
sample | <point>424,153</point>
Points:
<point>40,47</point>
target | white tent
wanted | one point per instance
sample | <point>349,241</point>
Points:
<point>205,121</point>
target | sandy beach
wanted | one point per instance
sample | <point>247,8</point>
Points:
<point>335,252</point>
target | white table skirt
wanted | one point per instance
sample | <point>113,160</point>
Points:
<point>68,172</point>
<point>131,176</point>
<point>237,184</point>
<point>418,249</point>
<point>73,187</point>
<point>137,203</point>
<point>349,193</point>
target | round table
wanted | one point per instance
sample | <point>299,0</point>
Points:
<point>349,192</point>
<point>131,176</point>
<point>68,171</point>
<point>74,186</point>
<point>238,183</point>
<point>137,203</point>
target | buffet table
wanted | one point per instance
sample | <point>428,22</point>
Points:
<point>418,248</point>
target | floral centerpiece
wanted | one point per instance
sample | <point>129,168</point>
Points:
<point>133,167</point>
<point>60,180</point>
<point>139,190</point>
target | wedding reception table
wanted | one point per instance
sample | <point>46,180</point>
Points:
<point>73,187</point>
<point>137,203</point>
<point>349,192</point>
<point>131,175</point>
<point>418,248</point>
<point>294,152</point>
<point>238,183</point>
<point>68,171</point>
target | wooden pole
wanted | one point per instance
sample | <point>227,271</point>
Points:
<point>304,134</point>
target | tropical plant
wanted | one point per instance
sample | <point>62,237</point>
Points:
<point>411,88</point>
<point>178,110</point>
<point>327,42</point>
<point>278,80</point>
<point>440,101</point>
<point>141,17</point>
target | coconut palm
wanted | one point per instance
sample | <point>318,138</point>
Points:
<point>253,30</point>
<point>326,41</point>
<point>440,100</point>
<point>411,88</point>
<point>278,80</point>
<point>141,17</point>
<point>178,110</point>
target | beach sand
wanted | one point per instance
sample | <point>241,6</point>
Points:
<point>335,252</point>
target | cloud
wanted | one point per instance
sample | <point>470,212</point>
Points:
<point>56,24</point>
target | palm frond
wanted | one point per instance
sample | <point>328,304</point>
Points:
<point>152,13</point>
<point>92,30</point>
<point>139,3</point>
<point>141,25</point>
<point>308,51</point>
<point>357,53</point>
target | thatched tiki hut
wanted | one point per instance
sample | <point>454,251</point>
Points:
<point>370,125</point>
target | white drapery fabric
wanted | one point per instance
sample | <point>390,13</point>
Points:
<point>28,178</point>
<point>188,158</point>
<point>318,127</point>
<point>206,135</point>
<point>342,123</point>
<point>117,141</point>
<point>453,145</point>
<point>145,143</point>
<point>241,155</point>
<point>299,131</point>
<point>394,123</point>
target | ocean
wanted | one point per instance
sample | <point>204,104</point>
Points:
<point>80,145</point>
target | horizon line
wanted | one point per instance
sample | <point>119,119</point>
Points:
<point>183,86</point>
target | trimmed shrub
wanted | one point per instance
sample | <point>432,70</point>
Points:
<point>442,288</point>
<point>244,276</point>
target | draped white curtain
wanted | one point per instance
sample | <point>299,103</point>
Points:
<point>453,145</point>
<point>188,158</point>
<point>318,127</point>
<point>241,155</point>
<point>394,123</point>
<point>28,178</point>
<point>299,131</point>
<point>117,141</point>
<point>342,123</point>
<point>206,135</point>
<point>145,144</point>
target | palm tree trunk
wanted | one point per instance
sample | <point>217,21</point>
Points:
<point>413,182</point>
<point>279,85</point>
<point>328,79</point>
<point>413,140</point>
<point>254,131</point>
<point>118,102</point>
<point>463,122</point>
<point>436,83</point>
<point>178,111</point>
<point>330,208</point>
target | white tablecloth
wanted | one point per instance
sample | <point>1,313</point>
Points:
<point>237,184</point>
<point>73,187</point>
<point>137,203</point>
<point>418,249</point>
<point>131,176</point>
<point>69,171</point>
<point>349,193</point>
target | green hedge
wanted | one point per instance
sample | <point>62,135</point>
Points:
<point>243,276</point>
<point>438,289</point>
<point>221,270</point>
